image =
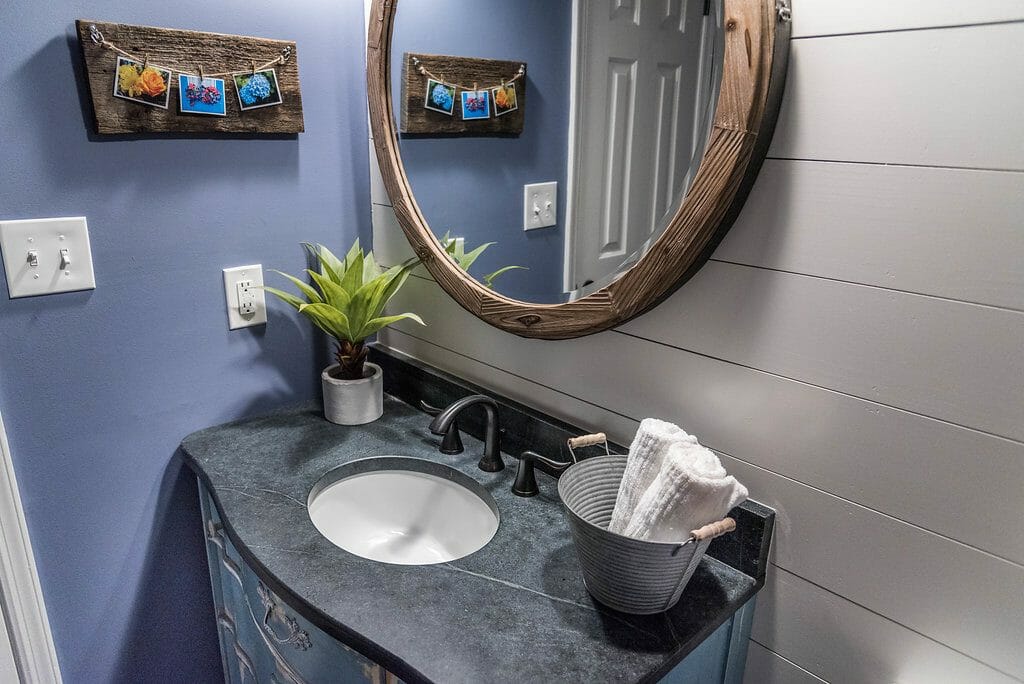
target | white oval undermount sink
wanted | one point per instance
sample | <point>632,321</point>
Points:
<point>406,511</point>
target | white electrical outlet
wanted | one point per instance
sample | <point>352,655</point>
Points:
<point>540,205</point>
<point>246,297</point>
<point>243,290</point>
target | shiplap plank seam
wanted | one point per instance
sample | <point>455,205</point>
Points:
<point>832,18</point>
<point>812,385</point>
<point>882,616</point>
<point>945,167</point>
<point>809,625</point>
<point>892,348</point>
<point>756,662</point>
<point>939,27</point>
<point>933,81</point>
<point>844,281</point>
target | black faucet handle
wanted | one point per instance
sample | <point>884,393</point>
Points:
<point>451,443</point>
<point>429,409</point>
<point>526,479</point>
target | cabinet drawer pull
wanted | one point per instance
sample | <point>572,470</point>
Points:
<point>215,533</point>
<point>244,663</point>
<point>296,636</point>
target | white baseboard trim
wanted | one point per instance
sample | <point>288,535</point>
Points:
<point>21,596</point>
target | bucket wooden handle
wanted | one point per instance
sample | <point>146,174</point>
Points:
<point>715,529</point>
<point>587,440</point>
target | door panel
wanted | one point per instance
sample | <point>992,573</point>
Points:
<point>639,121</point>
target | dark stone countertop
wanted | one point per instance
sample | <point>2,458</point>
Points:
<point>515,611</point>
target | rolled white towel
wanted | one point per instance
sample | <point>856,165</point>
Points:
<point>691,490</point>
<point>646,455</point>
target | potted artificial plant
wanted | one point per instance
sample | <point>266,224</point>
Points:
<point>348,304</point>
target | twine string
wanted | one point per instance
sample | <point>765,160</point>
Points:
<point>97,37</point>
<point>440,79</point>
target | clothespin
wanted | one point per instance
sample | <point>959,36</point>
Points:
<point>254,68</point>
<point>145,61</point>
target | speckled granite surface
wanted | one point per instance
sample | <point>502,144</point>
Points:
<point>515,611</point>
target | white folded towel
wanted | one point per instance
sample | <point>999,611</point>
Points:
<point>691,490</point>
<point>646,455</point>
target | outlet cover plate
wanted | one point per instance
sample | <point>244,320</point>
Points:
<point>46,238</point>
<point>234,276</point>
<point>540,205</point>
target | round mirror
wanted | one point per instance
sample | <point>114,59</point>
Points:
<point>538,154</point>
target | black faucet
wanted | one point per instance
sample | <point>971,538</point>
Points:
<point>491,461</point>
<point>452,442</point>
<point>526,481</point>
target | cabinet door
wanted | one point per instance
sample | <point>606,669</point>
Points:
<point>301,651</point>
<point>262,638</point>
<point>722,657</point>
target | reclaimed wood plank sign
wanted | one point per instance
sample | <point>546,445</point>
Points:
<point>144,79</point>
<point>462,96</point>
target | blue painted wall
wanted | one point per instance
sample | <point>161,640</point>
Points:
<point>98,388</point>
<point>474,186</point>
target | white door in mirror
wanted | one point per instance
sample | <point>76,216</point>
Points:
<point>243,290</point>
<point>540,205</point>
<point>46,256</point>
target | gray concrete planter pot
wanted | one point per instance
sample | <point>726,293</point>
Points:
<point>354,402</point>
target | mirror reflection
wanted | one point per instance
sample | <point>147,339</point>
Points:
<point>614,103</point>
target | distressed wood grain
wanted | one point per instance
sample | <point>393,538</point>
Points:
<point>486,73</point>
<point>186,52</point>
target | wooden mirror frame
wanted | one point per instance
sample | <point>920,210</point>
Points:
<point>753,77</point>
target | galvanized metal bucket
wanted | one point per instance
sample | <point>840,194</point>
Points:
<point>629,575</point>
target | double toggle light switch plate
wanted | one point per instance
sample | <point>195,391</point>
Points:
<point>46,256</point>
<point>540,205</point>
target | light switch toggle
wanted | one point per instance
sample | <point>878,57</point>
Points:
<point>33,259</point>
<point>65,259</point>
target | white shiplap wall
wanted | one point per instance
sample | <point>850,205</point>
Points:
<point>855,349</point>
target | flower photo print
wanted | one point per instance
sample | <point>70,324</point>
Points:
<point>143,83</point>
<point>440,97</point>
<point>257,89</point>
<point>505,100</point>
<point>476,104</point>
<point>197,95</point>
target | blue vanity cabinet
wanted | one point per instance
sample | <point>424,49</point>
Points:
<point>261,638</point>
<point>264,640</point>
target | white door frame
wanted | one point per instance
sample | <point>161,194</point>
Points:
<point>575,84</point>
<point>21,597</point>
<point>8,668</point>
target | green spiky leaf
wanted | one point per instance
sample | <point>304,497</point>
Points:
<point>311,294</point>
<point>327,318</point>
<point>377,324</point>
<point>333,293</point>
<point>285,296</point>
<point>349,296</point>
<point>489,278</point>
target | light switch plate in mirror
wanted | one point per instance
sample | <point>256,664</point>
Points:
<point>752,47</point>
